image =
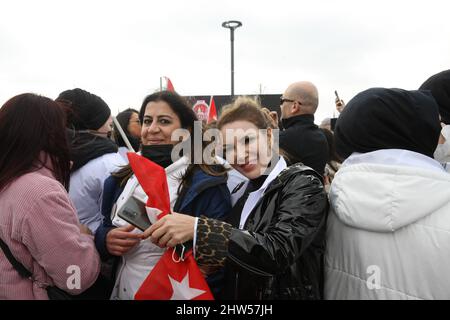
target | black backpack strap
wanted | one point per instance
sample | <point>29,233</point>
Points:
<point>24,273</point>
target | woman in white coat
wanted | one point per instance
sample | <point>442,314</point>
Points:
<point>93,154</point>
<point>388,233</point>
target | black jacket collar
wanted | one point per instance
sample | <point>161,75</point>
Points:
<point>287,174</point>
<point>303,119</point>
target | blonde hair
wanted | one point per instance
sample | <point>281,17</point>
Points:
<point>244,108</point>
<point>247,109</point>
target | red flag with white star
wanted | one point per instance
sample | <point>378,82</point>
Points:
<point>153,181</point>
<point>169,279</point>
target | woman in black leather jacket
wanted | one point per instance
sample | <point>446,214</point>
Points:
<point>272,245</point>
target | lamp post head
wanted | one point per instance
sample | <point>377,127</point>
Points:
<point>232,24</point>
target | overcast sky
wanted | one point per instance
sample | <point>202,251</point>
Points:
<point>119,49</point>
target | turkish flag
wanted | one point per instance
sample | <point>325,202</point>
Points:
<point>171,278</point>
<point>212,115</point>
<point>170,85</point>
<point>153,181</point>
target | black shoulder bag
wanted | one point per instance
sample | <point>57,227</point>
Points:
<point>53,292</point>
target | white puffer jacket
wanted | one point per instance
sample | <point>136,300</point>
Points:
<point>388,233</point>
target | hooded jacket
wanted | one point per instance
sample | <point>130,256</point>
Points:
<point>388,233</point>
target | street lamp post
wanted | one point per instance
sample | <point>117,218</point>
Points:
<point>232,25</point>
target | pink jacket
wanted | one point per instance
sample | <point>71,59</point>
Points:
<point>39,224</point>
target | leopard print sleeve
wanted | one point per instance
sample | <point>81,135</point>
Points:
<point>211,248</point>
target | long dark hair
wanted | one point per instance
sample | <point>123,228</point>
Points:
<point>33,131</point>
<point>215,169</point>
<point>187,116</point>
<point>177,103</point>
<point>124,120</point>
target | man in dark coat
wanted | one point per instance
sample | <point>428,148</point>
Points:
<point>301,138</point>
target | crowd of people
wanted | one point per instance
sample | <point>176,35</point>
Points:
<point>282,209</point>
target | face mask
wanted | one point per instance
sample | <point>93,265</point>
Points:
<point>159,154</point>
<point>442,152</point>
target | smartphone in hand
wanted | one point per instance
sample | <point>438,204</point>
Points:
<point>339,103</point>
<point>134,212</point>
<point>337,96</point>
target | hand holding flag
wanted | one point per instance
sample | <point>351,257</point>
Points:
<point>153,181</point>
<point>170,279</point>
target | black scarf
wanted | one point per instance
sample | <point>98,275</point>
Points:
<point>234,217</point>
<point>380,118</point>
<point>160,154</point>
<point>86,146</point>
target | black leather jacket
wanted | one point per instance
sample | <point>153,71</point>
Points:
<point>279,254</point>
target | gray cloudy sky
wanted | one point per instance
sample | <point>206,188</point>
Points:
<point>119,49</point>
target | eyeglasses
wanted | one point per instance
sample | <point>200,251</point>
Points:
<point>283,100</point>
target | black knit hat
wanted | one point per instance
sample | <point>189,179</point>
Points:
<point>86,110</point>
<point>439,85</point>
<point>380,118</point>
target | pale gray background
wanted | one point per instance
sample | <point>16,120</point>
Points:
<point>119,49</point>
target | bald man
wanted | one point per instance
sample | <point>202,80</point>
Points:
<point>301,138</point>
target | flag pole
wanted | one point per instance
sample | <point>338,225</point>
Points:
<point>123,135</point>
<point>160,83</point>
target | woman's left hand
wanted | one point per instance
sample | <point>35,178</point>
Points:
<point>171,230</point>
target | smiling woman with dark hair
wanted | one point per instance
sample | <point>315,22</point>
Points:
<point>38,223</point>
<point>194,189</point>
